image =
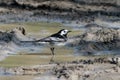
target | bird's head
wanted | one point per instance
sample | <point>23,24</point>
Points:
<point>64,32</point>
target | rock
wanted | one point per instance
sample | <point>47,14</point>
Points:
<point>92,27</point>
<point>5,36</point>
<point>102,35</point>
<point>74,77</point>
<point>104,39</point>
<point>115,60</point>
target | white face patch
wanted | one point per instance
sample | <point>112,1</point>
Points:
<point>64,32</point>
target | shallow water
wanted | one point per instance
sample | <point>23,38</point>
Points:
<point>73,25</point>
<point>7,51</point>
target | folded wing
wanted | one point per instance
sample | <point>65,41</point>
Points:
<point>51,39</point>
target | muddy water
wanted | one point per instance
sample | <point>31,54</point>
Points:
<point>32,49</point>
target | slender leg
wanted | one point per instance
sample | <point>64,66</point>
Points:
<point>52,50</point>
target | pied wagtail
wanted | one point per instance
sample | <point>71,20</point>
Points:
<point>53,39</point>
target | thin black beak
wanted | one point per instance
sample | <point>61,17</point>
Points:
<point>69,31</point>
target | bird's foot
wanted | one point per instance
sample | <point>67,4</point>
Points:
<point>52,60</point>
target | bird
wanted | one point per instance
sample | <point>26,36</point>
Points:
<point>56,38</point>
